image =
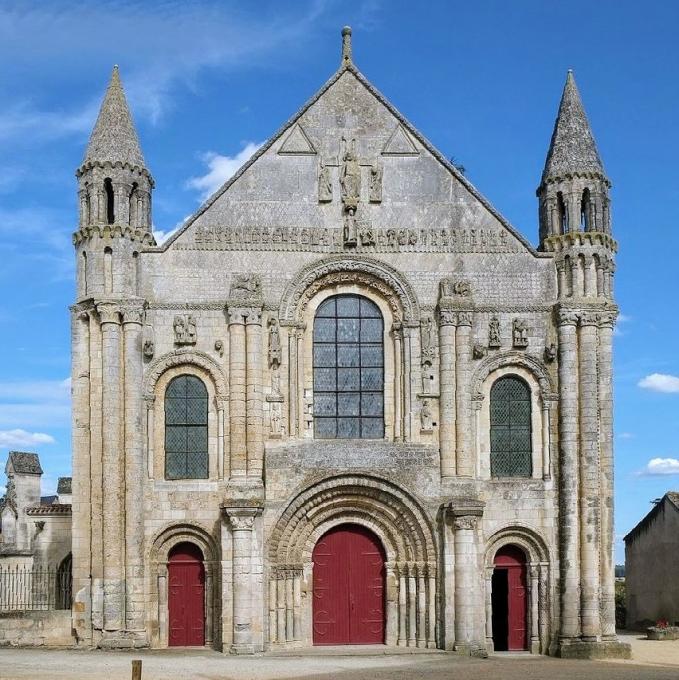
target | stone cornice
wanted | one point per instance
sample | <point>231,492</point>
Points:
<point>556,244</point>
<point>107,231</point>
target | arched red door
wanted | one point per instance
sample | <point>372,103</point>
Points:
<point>348,587</point>
<point>186,596</point>
<point>509,600</point>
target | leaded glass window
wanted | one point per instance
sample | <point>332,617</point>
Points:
<point>348,369</point>
<point>510,428</point>
<point>186,454</point>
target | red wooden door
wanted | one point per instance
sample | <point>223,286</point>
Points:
<point>513,560</point>
<point>348,585</point>
<point>186,596</point>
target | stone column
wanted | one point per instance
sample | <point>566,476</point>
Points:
<point>447,383</point>
<point>467,582</point>
<point>607,321</point>
<point>134,468</point>
<point>465,464</point>
<point>293,400</point>
<point>237,391</point>
<point>421,605</point>
<point>402,570</point>
<point>546,439</point>
<point>80,418</point>
<point>489,608</point>
<point>534,609</point>
<point>242,521</point>
<point>397,333</point>
<point>299,339</point>
<point>112,469</point>
<point>590,491</point>
<point>431,636</point>
<point>255,416</point>
<point>412,604</point>
<point>569,474</point>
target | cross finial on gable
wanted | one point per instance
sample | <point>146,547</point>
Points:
<point>346,46</point>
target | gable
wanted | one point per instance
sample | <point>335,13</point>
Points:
<point>291,193</point>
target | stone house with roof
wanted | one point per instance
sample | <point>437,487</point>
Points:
<point>651,566</point>
<point>347,402</point>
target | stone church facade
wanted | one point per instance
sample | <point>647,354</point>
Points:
<point>347,401</point>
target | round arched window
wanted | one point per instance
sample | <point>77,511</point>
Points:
<point>510,428</point>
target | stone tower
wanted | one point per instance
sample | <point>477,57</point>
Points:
<point>114,227</point>
<point>575,226</point>
<point>114,201</point>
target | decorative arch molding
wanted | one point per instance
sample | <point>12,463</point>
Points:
<point>367,271</point>
<point>183,357</point>
<point>174,534</point>
<point>509,359</point>
<point>526,538</point>
<point>379,505</point>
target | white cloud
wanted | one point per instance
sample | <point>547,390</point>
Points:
<point>660,382</point>
<point>20,437</point>
<point>657,467</point>
<point>626,435</point>
<point>220,169</point>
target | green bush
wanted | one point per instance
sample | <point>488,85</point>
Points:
<point>620,605</point>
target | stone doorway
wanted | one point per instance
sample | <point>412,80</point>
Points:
<point>186,596</point>
<point>509,600</point>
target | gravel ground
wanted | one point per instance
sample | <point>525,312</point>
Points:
<point>363,664</point>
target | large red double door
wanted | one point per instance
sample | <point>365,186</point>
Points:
<point>348,583</point>
<point>186,596</point>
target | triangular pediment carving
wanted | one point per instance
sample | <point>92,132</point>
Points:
<point>297,143</point>
<point>400,144</point>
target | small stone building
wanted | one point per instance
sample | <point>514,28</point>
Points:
<point>347,402</point>
<point>652,566</point>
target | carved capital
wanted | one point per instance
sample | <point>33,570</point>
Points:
<point>447,317</point>
<point>242,518</point>
<point>253,316</point>
<point>589,319</point>
<point>465,522</point>
<point>567,317</point>
<point>236,315</point>
<point>465,318</point>
<point>133,313</point>
<point>608,318</point>
<point>109,312</point>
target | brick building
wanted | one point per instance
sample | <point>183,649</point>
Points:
<point>347,402</point>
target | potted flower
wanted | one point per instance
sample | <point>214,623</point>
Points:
<point>662,631</point>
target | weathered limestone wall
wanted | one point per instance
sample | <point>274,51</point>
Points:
<point>36,629</point>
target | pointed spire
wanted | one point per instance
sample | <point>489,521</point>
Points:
<point>114,137</point>
<point>346,46</point>
<point>572,149</point>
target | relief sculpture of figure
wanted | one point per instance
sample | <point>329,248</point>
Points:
<point>350,230</point>
<point>494,332</point>
<point>191,334</point>
<point>520,333</point>
<point>274,343</point>
<point>428,338</point>
<point>376,183</point>
<point>426,416</point>
<point>178,329</point>
<point>324,184</point>
<point>350,176</point>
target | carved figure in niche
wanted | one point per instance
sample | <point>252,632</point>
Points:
<point>185,332</point>
<point>376,182</point>
<point>243,285</point>
<point>494,333</point>
<point>479,351</point>
<point>426,417</point>
<point>148,349</point>
<point>324,184</point>
<point>219,347</point>
<point>350,175</point>
<point>550,353</point>
<point>276,383</point>
<point>519,333</point>
<point>450,288</point>
<point>427,378</point>
<point>350,231</point>
<point>276,421</point>
<point>367,236</point>
<point>428,338</point>
<point>274,343</point>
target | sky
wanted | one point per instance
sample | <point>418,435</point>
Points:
<point>209,81</point>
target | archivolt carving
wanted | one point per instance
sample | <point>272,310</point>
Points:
<point>340,269</point>
<point>392,513</point>
<point>182,357</point>
<point>526,538</point>
<point>511,358</point>
<point>174,534</point>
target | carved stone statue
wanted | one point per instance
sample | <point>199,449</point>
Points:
<point>428,332</point>
<point>350,230</point>
<point>276,383</point>
<point>246,285</point>
<point>376,183</point>
<point>274,343</point>
<point>148,349</point>
<point>519,334</point>
<point>185,332</point>
<point>367,236</point>
<point>450,288</point>
<point>550,353</point>
<point>494,333</point>
<point>350,176</point>
<point>426,416</point>
<point>479,351</point>
<point>324,184</point>
<point>219,347</point>
<point>276,421</point>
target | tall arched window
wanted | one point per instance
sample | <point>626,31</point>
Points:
<point>186,454</point>
<point>110,204</point>
<point>510,428</point>
<point>348,369</point>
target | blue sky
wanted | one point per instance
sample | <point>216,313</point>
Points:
<point>210,81</point>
